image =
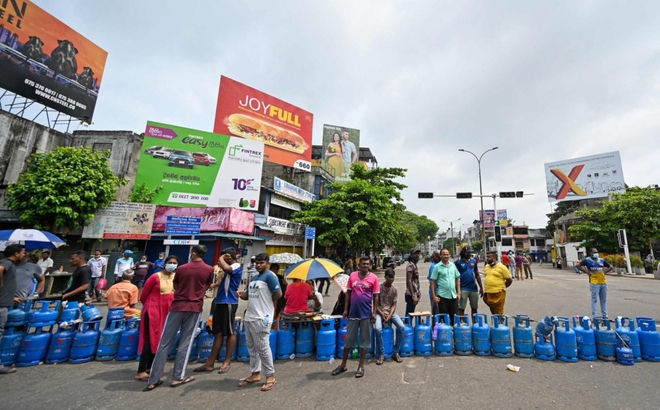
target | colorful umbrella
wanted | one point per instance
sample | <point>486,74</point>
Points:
<point>315,268</point>
<point>285,258</point>
<point>33,239</point>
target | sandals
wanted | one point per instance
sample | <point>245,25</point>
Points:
<point>184,381</point>
<point>150,387</point>
<point>339,370</point>
<point>397,358</point>
<point>224,369</point>
<point>202,369</point>
<point>244,382</point>
<point>141,379</point>
<point>8,370</point>
<point>359,373</point>
<point>268,385</point>
<point>380,360</point>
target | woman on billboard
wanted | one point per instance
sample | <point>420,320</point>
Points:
<point>334,154</point>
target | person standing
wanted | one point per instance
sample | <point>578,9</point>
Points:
<point>26,273</point>
<point>8,286</point>
<point>141,270</point>
<point>470,278</point>
<point>159,265</point>
<point>76,289</point>
<point>596,268</point>
<point>334,156</point>
<point>648,263</point>
<point>349,153</point>
<point>386,313</point>
<point>123,263</point>
<point>519,266</point>
<point>512,263</point>
<point>505,260</point>
<point>190,284</point>
<point>264,290</point>
<point>498,278</point>
<point>435,258</point>
<point>446,285</point>
<point>527,265</point>
<point>46,263</point>
<point>98,264</point>
<point>124,295</point>
<point>413,292</point>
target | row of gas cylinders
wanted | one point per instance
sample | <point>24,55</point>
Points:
<point>44,313</point>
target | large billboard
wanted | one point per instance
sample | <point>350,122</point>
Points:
<point>47,61</point>
<point>488,217</point>
<point>210,219</point>
<point>341,149</point>
<point>594,176</point>
<point>251,114</point>
<point>198,168</point>
<point>122,220</point>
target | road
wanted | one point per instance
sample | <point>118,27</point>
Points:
<point>417,383</point>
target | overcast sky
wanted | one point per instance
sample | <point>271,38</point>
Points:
<point>543,81</point>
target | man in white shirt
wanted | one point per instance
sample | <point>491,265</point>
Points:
<point>45,263</point>
<point>123,263</point>
<point>98,265</point>
<point>349,153</point>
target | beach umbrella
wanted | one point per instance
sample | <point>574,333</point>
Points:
<point>285,258</point>
<point>33,239</point>
<point>315,268</point>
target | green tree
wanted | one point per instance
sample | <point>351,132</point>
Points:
<point>451,244</point>
<point>416,230</point>
<point>478,246</point>
<point>64,188</point>
<point>563,208</point>
<point>144,195</point>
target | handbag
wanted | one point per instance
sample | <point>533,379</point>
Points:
<point>102,285</point>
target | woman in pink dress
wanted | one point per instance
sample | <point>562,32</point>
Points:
<point>157,296</point>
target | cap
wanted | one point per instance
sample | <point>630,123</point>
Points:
<point>128,251</point>
<point>466,249</point>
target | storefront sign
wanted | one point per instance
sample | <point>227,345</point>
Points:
<point>284,240</point>
<point>284,202</point>
<point>213,219</point>
<point>284,227</point>
<point>292,191</point>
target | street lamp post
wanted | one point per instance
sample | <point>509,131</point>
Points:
<point>451,224</point>
<point>481,192</point>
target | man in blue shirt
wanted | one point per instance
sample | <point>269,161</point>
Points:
<point>470,278</point>
<point>224,313</point>
<point>435,258</point>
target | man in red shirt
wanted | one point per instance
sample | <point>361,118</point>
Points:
<point>505,259</point>
<point>297,294</point>
<point>190,283</point>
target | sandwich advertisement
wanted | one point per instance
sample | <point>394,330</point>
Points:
<point>198,168</point>
<point>341,149</point>
<point>285,129</point>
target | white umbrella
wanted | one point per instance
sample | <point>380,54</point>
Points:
<point>33,239</point>
<point>285,258</point>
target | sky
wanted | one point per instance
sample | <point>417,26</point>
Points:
<point>543,81</point>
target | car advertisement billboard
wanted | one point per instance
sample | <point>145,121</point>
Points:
<point>47,61</point>
<point>594,176</point>
<point>197,168</point>
<point>341,149</point>
<point>285,129</point>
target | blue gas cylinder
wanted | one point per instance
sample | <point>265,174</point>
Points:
<point>305,339</point>
<point>462,335</point>
<point>286,341</point>
<point>18,316</point>
<point>423,344</point>
<point>545,327</point>
<point>566,341</point>
<point>44,315</point>
<point>91,314</point>
<point>34,347</point>
<point>171,354</point>
<point>624,355</point>
<point>443,335</point>
<point>585,337</point>
<point>625,327</point>
<point>326,340</point>
<point>388,340</point>
<point>83,348</point>
<point>372,346</point>
<point>109,341</point>
<point>70,313</point>
<point>523,337</point>
<point>544,348</point>
<point>129,342</point>
<point>243,352</point>
<point>341,337</point>
<point>113,315</point>
<point>272,341</point>
<point>10,345</point>
<point>222,353</point>
<point>205,345</point>
<point>649,339</point>
<point>605,339</point>
<point>500,336</point>
<point>59,348</point>
<point>481,334</point>
<point>408,342</point>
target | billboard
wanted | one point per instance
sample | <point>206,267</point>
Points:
<point>292,191</point>
<point>47,61</point>
<point>122,220</point>
<point>211,219</point>
<point>488,217</point>
<point>594,176</point>
<point>198,168</point>
<point>285,129</point>
<point>341,149</point>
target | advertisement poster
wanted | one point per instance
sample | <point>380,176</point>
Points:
<point>122,220</point>
<point>594,176</point>
<point>47,61</point>
<point>488,218</point>
<point>212,219</point>
<point>198,168</point>
<point>285,129</point>
<point>341,149</point>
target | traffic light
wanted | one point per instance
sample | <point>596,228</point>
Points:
<point>463,195</point>
<point>509,194</point>
<point>425,195</point>
<point>498,234</point>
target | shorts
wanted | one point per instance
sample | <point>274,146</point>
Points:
<point>472,295</point>
<point>352,332</point>
<point>139,282</point>
<point>224,316</point>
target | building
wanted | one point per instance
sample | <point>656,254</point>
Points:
<point>520,238</point>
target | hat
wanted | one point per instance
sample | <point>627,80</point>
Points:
<point>416,251</point>
<point>128,251</point>
<point>466,249</point>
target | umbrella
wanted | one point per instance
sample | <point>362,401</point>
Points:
<point>33,239</point>
<point>315,268</point>
<point>285,258</point>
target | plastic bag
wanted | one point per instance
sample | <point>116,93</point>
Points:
<point>103,284</point>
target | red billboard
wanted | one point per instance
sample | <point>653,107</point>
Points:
<point>47,61</point>
<point>212,219</point>
<point>285,129</point>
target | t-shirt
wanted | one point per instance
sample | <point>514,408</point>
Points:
<point>467,270</point>
<point>412,268</point>
<point>159,265</point>
<point>597,270</point>
<point>25,274</point>
<point>96,265</point>
<point>311,304</point>
<point>123,294</point>
<point>445,280</point>
<point>229,286</point>
<point>519,260</point>
<point>505,259</point>
<point>260,298</point>
<point>388,297</point>
<point>8,290</point>
<point>123,264</point>
<point>495,278</point>
<point>142,268</point>
<point>82,275</point>
<point>45,264</point>
<point>362,293</point>
<point>297,294</point>
<point>191,281</point>
<point>347,155</point>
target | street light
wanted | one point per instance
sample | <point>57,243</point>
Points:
<point>451,224</point>
<point>481,192</point>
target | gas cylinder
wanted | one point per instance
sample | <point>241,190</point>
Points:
<point>286,341</point>
<point>500,336</point>
<point>423,345</point>
<point>205,345</point>
<point>10,345</point>
<point>341,338</point>
<point>545,327</point>
<point>83,348</point>
<point>523,337</point>
<point>243,352</point>
<point>649,339</point>
<point>605,339</point>
<point>326,340</point>
<point>566,341</point>
<point>372,346</point>
<point>59,348</point>
<point>129,342</point>
<point>481,334</point>
<point>388,340</point>
<point>114,314</point>
<point>462,335</point>
<point>45,314</point>
<point>91,314</point>
<point>109,341</point>
<point>171,354</point>
<point>544,348</point>
<point>70,313</point>
<point>34,347</point>
<point>18,316</point>
<point>625,327</point>
<point>585,337</point>
<point>408,342</point>
<point>443,335</point>
<point>624,355</point>
<point>272,341</point>
<point>305,340</point>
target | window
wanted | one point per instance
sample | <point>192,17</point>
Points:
<point>519,245</point>
<point>506,241</point>
<point>540,242</point>
<point>531,242</point>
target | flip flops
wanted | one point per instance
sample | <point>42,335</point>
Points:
<point>141,379</point>
<point>181,382</point>
<point>339,370</point>
<point>150,387</point>
<point>7,370</point>
<point>380,360</point>
<point>224,369</point>
<point>202,369</point>
<point>397,358</point>
<point>244,382</point>
<point>359,373</point>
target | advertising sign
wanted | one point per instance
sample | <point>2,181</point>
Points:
<point>251,114</point>
<point>594,176</point>
<point>292,191</point>
<point>47,61</point>
<point>122,220</point>
<point>284,227</point>
<point>341,149</point>
<point>207,219</point>
<point>488,218</point>
<point>198,168</point>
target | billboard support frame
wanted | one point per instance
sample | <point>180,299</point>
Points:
<point>19,108</point>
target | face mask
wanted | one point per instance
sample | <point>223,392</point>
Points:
<point>595,256</point>
<point>144,260</point>
<point>161,257</point>
<point>170,267</point>
<point>97,256</point>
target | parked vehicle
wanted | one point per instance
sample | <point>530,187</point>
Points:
<point>201,158</point>
<point>212,160</point>
<point>388,263</point>
<point>181,159</point>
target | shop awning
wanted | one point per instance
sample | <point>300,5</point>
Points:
<point>264,227</point>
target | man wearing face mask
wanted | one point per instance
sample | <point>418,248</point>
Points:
<point>98,265</point>
<point>596,268</point>
<point>498,278</point>
<point>141,269</point>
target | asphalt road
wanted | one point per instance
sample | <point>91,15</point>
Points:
<point>417,383</point>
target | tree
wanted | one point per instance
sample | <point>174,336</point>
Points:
<point>416,229</point>
<point>478,246</point>
<point>563,208</point>
<point>144,195</point>
<point>63,189</point>
<point>451,244</point>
